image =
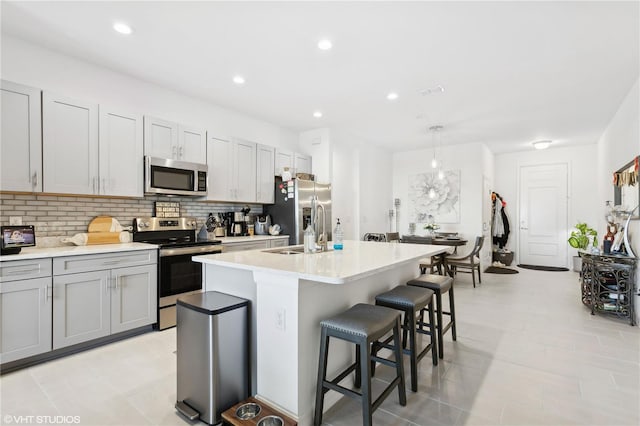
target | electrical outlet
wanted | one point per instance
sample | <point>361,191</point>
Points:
<point>281,315</point>
<point>15,220</point>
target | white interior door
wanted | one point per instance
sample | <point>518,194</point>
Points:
<point>543,215</point>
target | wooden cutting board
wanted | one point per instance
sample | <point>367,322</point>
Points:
<point>100,224</point>
<point>103,238</point>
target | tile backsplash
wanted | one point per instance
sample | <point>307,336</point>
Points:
<point>55,215</point>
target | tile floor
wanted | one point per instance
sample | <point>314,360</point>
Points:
<point>528,353</point>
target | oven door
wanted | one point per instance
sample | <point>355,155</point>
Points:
<point>178,273</point>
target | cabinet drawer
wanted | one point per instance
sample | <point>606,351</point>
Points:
<point>25,269</point>
<point>96,262</point>
<point>256,245</point>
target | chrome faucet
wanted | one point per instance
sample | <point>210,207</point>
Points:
<point>321,238</point>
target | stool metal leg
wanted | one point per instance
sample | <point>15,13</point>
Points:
<point>432,330</point>
<point>452,310</point>
<point>365,366</point>
<point>439,326</point>
<point>358,380</point>
<point>322,375</point>
<point>413,356</point>
<point>402,393</point>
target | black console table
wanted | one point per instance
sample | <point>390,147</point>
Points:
<point>608,284</point>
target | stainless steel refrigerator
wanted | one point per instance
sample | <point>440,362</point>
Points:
<point>296,205</point>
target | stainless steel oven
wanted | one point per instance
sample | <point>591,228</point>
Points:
<point>178,275</point>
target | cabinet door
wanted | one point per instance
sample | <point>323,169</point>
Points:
<point>80,307</point>
<point>25,318</point>
<point>302,163</point>
<point>244,174</point>
<point>21,140</point>
<point>134,297</point>
<point>265,180</point>
<point>219,154</point>
<point>160,138</point>
<point>192,144</point>
<point>69,145</point>
<point>283,159</point>
<point>121,153</point>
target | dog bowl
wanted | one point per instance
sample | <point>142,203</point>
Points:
<point>248,411</point>
<point>271,421</point>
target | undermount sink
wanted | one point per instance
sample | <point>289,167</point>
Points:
<point>290,250</point>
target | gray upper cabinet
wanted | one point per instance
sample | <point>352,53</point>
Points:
<point>265,156</point>
<point>21,138</point>
<point>121,151</point>
<point>192,144</point>
<point>69,145</point>
<point>283,159</point>
<point>232,170</point>
<point>302,163</point>
<point>166,139</point>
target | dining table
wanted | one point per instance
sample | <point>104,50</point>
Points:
<point>451,241</point>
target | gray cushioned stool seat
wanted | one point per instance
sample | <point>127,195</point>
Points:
<point>363,321</point>
<point>361,325</point>
<point>433,282</point>
<point>411,301</point>
<point>440,284</point>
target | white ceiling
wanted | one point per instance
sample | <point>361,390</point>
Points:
<point>513,72</point>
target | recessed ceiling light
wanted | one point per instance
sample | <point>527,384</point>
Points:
<point>122,28</point>
<point>325,44</point>
<point>392,96</point>
<point>317,114</point>
<point>541,144</point>
<point>238,79</point>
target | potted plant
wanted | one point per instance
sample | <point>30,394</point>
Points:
<point>431,227</point>
<point>580,239</point>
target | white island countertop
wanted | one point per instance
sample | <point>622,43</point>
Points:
<point>357,260</point>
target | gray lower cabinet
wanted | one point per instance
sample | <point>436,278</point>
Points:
<point>89,305</point>
<point>25,318</point>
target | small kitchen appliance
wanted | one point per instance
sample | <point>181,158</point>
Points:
<point>170,177</point>
<point>263,222</point>
<point>178,275</point>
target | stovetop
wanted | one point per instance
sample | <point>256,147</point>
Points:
<point>168,232</point>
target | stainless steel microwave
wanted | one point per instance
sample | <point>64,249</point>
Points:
<point>170,177</point>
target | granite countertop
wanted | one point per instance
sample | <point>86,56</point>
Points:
<point>43,252</point>
<point>358,259</point>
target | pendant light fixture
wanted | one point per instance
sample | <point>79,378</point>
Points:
<point>434,130</point>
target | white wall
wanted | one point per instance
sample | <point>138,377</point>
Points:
<point>32,65</point>
<point>582,164</point>
<point>471,159</point>
<point>317,144</point>
<point>619,144</point>
<point>376,195</point>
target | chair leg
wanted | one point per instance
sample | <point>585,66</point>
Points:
<point>439,325</point>
<point>479,276</point>
<point>365,366</point>
<point>473,277</point>
<point>358,380</point>
<point>452,310</point>
<point>322,374</point>
<point>402,393</point>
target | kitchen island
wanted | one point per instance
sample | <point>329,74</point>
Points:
<point>291,293</point>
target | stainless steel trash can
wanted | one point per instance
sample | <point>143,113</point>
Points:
<point>212,354</point>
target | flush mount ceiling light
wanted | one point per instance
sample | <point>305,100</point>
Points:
<point>317,114</point>
<point>239,80</point>
<point>392,96</point>
<point>122,28</point>
<point>541,144</point>
<point>325,44</point>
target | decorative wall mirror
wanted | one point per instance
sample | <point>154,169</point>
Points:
<point>626,188</point>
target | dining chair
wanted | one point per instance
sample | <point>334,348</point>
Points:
<point>468,263</point>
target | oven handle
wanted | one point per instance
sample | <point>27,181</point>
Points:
<point>189,250</point>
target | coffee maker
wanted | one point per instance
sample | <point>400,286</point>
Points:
<point>237,222</point>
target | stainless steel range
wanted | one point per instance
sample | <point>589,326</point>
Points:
<point>178,275</point>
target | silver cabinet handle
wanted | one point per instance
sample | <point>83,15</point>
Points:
<point>48,293</point>
<point>181,152</point>
<point>174,152</point>
<point>117,281</point>
<point>20,271</point>
<point>114,262</point>
<point>104,186</point>
<point>34,179</point>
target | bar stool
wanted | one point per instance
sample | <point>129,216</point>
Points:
<point>439,284</point>
<point>411,300</point>
<point>362,324</point>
